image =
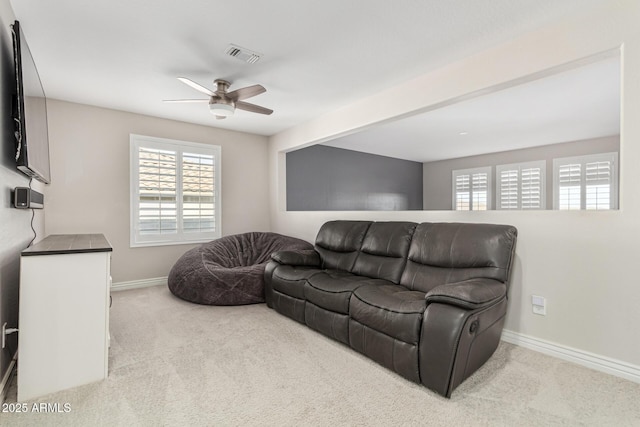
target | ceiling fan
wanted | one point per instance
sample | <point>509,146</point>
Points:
<point>222,103</point>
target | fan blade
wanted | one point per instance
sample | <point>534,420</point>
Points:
<point>184,100</point>
<point>246,92</point>
<point>196,86</point>
<point>253,108</point>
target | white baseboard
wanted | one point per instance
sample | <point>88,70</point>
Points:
<point>6,379</point>
<point>580,357</point>
<point>135,284</point>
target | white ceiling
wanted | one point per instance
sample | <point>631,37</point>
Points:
<point>318,55</point>
<point>572,105</point>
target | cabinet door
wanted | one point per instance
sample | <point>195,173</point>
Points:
<point>63,322</point>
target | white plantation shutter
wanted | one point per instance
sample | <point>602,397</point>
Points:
<point>198,195</point>
<point>463,191</point>
<point>598,185</point>
<point>532,187</point>
<point>479,191</point>
<point>521,185</point>
<point>570,193</point>
<point>157,192</point>
<point>586,182</point>
<point>175,191</point>
<point>472,189</point>
<point>508,193</point>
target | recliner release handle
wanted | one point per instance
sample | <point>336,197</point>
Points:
<point>473,327</point>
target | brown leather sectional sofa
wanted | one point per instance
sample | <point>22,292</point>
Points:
<point>425,300</point>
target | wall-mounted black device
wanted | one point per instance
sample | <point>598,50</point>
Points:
<point>26,198</point>
<point>31,130</point>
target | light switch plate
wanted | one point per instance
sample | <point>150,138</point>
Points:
<point>539,305</point>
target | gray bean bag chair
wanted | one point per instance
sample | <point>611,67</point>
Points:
<point>229,270</point>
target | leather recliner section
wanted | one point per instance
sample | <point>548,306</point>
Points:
<point>465,341</point>
<point>392,353</point>
<point>385,325</point>
<point>338,243</point>
<point>442,253</point>
<point>390,309</point>
<point>380,258</point>
<point>286,289</point>
<point>383,254</point>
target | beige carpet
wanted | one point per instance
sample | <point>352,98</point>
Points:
<point>179,364</point>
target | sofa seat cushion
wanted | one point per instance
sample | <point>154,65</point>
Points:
<point>391,309</point>
<point>332,289</point>
<point>290,280</point>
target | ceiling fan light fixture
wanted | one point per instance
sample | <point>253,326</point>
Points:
<point>223,103</point>
<point>219,109</point>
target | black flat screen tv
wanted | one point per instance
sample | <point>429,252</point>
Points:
<point>30,113</point>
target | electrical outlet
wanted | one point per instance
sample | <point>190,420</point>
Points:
<point>539,305</point>
<point>4,334</point>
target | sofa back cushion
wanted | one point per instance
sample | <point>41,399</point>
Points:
<point>338,243</point>
<point>442,253</point>
<point>383,254</point>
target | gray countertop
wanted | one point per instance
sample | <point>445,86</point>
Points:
<point>56,244</point>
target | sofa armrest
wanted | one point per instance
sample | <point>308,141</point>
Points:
<point>308,258</point>
<point>470,294</point>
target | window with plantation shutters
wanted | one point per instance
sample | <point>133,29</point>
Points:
<point>175,191</point>
<point>472,189</point>
<point>586,182</point>
<point>521,186</point>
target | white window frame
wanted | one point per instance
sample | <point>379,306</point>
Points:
<point>583,160</point>
<point>180,237</point>
<point>456,173</point>
<point>540,164</point>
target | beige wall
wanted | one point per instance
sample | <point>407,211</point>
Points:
<point>89,192</point>
<point>584,263</point>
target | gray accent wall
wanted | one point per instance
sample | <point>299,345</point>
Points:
<point>321,178</point>
<point>438,175</point>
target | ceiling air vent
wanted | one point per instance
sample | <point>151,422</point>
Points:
<point>243,54</point>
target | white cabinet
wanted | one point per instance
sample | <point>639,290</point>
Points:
<point>64,314</point>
